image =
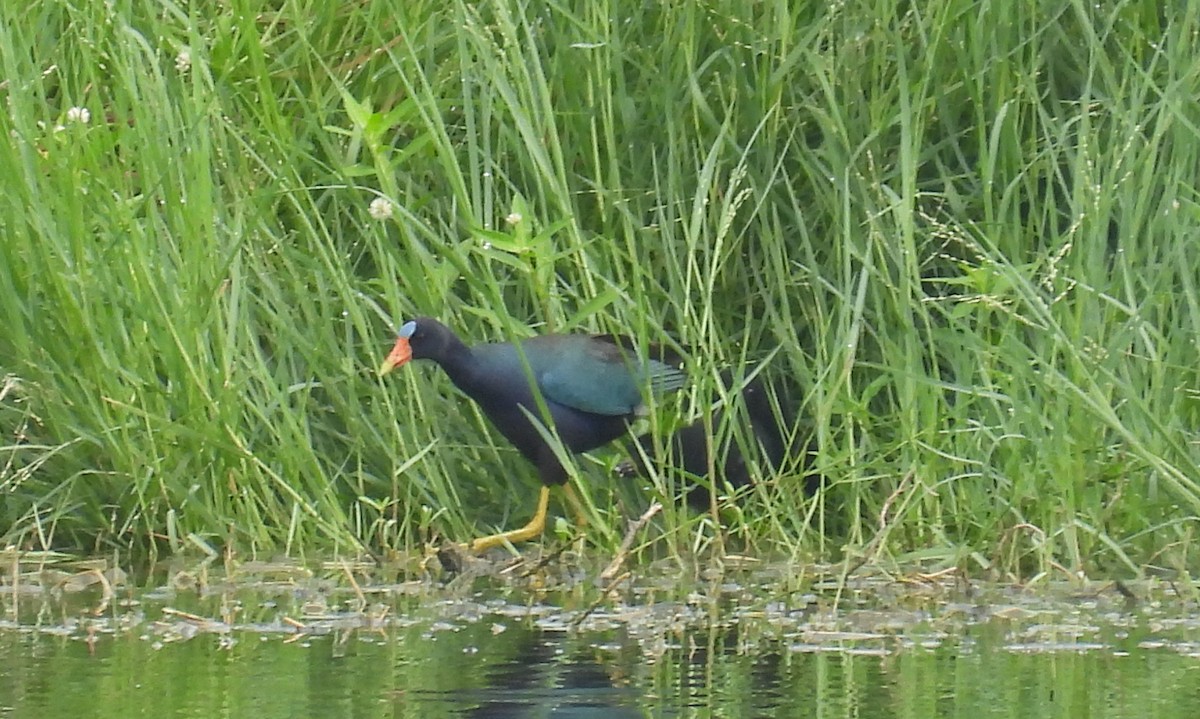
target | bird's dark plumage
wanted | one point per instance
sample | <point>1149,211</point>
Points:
<point>591,385</point>
<point>772,441</point>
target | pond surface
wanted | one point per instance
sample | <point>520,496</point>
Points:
<point>523,640</point>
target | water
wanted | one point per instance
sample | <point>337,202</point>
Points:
<point>313,647</point>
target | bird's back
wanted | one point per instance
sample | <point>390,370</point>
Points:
<point>583,372</point>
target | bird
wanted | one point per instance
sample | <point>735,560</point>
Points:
<point>773,440</point>
<point>591,386</point>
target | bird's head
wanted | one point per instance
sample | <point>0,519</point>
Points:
<point>422,338</point>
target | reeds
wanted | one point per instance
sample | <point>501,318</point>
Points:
<point>962,233</point>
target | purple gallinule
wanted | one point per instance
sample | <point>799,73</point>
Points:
<point>591,387</point>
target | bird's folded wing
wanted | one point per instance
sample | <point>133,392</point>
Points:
<point>595,376</point>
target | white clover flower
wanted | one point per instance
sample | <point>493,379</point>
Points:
<point>79,114</point>
<point>183,61</point>
<point>381,208</point>
<point>513,218</point>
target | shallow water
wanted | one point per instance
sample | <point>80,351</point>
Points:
<point>289,641</point>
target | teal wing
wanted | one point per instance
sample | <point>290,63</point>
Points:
<point>597,375</point>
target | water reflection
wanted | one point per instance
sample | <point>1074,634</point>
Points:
<point>522,672</point>
<point>525,671</point>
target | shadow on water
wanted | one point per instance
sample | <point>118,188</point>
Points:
<point>528,672</point>
<point>542,677</point>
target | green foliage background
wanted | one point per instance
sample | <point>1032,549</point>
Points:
<point>967,228</point>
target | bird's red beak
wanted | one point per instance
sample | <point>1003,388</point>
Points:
<point>399,355</point>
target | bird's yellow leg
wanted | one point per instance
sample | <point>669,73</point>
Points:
<point>581,519</point>
<point>529,531</point>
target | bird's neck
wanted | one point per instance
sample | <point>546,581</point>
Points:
<point>460,366</point>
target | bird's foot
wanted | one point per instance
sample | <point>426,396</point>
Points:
<point>529,531</point>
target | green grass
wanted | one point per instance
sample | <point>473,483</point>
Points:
<point>965,230</point>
